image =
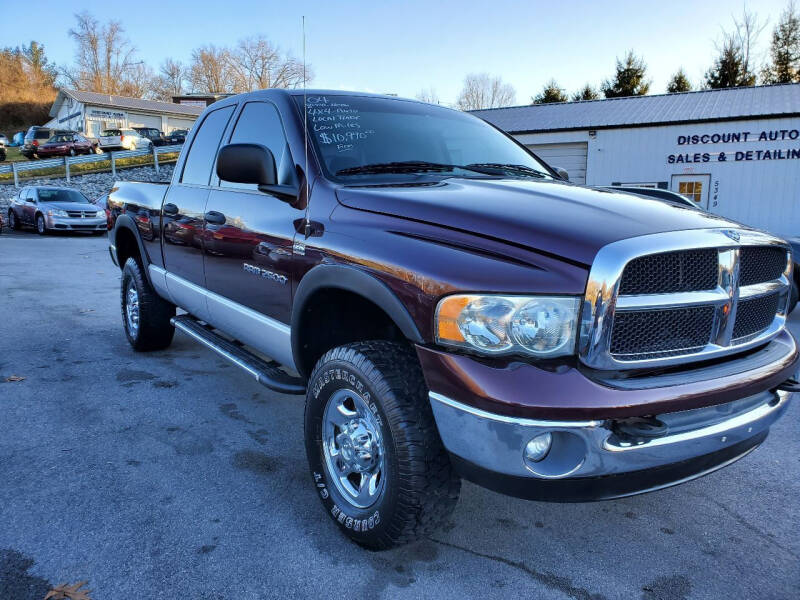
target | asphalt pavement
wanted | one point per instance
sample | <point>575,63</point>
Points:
<point>174,475</point>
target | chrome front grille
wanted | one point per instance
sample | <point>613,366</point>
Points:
<point>683,296</point>
<point>77,214</point>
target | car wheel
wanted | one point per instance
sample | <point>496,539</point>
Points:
<point>145,315</point>
<point>13,222</point>
<point>72,151</point>
<point>41,226</point>
<point>375,455</point>
<point>98,150</point>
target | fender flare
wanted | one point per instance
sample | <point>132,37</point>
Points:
<point>358,281</point>
<point>125,221</point>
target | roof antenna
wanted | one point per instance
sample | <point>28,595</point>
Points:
<point>307,228</point>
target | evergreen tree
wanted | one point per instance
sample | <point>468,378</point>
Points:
<point>729,69</point>
<point>679,82</point>
<point>587,92</point>
<point>550,93</point>
<point>784,66</point>
<point>629,80</point>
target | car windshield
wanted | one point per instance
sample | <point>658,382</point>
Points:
<point>361,138</point>
<point>110,132</point>
<point>180,132</point>
<point>59,195</point>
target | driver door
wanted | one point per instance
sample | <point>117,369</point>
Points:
<point>29,207</point>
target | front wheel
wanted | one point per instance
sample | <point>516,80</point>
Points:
<point>145,315</point>
<point>41,226</point>
<point>13,222</point>
<point>375,454</point>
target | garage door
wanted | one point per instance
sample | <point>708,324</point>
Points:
<point>176,123</point>
<point>136,120</point>
<point>571,157</point>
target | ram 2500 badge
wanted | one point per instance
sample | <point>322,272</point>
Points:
<point>452,308</point>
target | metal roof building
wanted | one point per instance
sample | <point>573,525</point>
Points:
<point>735,152</point>
<point>91,112</point>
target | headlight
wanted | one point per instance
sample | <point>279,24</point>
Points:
<point>542,326</point>
<point>101,213</point>
<point>57,212</point>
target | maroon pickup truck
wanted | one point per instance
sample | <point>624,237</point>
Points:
<point>452,308</point>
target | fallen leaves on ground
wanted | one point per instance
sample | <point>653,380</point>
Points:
<point>12,378</point>
<point>69,592</point>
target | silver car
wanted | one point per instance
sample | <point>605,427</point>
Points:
<point>55,209</point>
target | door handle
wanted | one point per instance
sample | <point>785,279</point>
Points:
<point>217,218</point>
<point>170,209</point>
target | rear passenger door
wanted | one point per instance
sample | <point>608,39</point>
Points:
<point>182,215</point>
<point>248,233</point>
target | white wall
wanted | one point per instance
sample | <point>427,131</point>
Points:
<point>760,193</point>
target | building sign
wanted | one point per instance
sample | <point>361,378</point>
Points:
<point>778,152</point>
<point>100,114</point>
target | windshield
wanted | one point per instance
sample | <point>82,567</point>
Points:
<point>58,195</point>
<point>361,139</point>
<point>110,132</point>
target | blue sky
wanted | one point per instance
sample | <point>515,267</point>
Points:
<point>403,47</point>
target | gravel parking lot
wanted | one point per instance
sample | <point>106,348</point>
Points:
<point>174,475</point>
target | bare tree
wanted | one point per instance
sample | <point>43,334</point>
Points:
<point>482,90</point>
<point>257,64</point>
<point>104,59</point>
<point>138,82</point>
<point>170,80</point>
<point>428,95</point>
<point>746,33</point>
<point>210,71</point>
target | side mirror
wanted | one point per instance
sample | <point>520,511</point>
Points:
<point>247,163</point>
<point>253,163</point>
<point>562,173</point>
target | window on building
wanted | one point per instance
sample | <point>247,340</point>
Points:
<point>693,190</point>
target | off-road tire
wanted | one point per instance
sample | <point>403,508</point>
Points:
<point>154,331</point>
<point>13,221</point>
<point>420,488</point>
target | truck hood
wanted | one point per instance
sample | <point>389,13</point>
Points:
<point>552,217</point>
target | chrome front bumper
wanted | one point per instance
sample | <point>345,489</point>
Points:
<point>595,449</point>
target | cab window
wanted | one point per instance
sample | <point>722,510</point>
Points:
<point>197,169</point>
<point>260,123</point>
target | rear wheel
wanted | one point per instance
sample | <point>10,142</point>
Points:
<point>145,315</point>
<point>375,454</point>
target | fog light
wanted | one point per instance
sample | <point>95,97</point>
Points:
<point>538,447</point>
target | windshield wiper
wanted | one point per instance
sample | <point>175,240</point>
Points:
<point>422,166</point>
<point>507,167</point>
<point>406,166</point>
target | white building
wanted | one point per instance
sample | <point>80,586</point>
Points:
<point>736,152</point>
<point>90,113</point>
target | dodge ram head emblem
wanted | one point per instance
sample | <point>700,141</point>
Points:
<point>734,235</point>
<point>282,279</point>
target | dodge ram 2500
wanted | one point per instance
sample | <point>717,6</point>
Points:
<point>452,308</point>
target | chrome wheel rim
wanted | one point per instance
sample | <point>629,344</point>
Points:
<point>132,309</point>
<point>40,224</point>
<point>353,448</point>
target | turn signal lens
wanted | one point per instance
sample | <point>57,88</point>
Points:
<point>542,326</point>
